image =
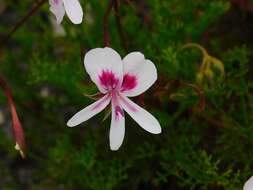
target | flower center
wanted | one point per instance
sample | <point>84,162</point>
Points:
<point>108,80</point>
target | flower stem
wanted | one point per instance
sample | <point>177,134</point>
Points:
<point>106,24</point>
<point>30,13</point>
<point>119,25</point>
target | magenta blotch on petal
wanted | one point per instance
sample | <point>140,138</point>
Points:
<point>129,82</point>
<point>56,2</point>
<point>115,103</point>
<point>108,80</point>
<point>118,112</point>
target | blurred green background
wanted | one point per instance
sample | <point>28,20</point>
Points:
<point>206,114</point>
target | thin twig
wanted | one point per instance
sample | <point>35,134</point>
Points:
<point>200,92</point>
<point>106,24</point>
<point>34,9</point>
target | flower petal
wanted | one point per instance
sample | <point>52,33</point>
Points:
<point>57,8</point>
<point>73,10</point>
<point>141,116</point>
<point>117,130</point>
<point>104,66</point>
<point>139,74</point>
<point>249,184</point>
<point>89,111</point>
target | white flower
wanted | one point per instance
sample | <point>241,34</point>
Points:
<point>117,80</point>
<point>249,184</point>
<point>72,7</point>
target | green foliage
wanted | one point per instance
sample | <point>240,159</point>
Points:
<point>198,149</point>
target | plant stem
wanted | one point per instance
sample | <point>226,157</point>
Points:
<point>30,13</point>
<point>119,25</point>
<point>106,24</point>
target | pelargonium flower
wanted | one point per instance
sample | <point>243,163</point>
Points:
<point>249,184</point>
<point>117,80</point>
<point>72,8</point>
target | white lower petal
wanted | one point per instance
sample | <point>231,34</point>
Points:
<point>117,133</point>
<point>146,120</point>
<point>249,184</point>
<point>117,129</point>
<point>74,10</point>
<point>89,111</point>
<point>57,8</point>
